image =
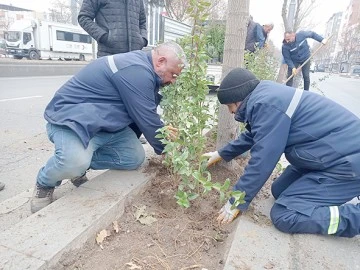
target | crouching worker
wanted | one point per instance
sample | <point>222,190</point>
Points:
<point>321,141</point>
<point>89,116</point>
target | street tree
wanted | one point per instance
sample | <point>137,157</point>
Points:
<point>177,9</point>
<point>349,43</point>
<point>60,11</point>
<point>234,47</point>
<point>296,14</point>
<point>65,11</point>
<point>215,40</point>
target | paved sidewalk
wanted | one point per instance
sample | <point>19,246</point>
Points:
<point>39,241</point>
<point>258,245</point>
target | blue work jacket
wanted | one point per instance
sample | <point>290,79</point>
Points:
<point>109,94</point>
<point>314,132</point>
<point>298,51</point>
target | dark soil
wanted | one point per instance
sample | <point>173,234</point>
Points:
<point>178,239</point>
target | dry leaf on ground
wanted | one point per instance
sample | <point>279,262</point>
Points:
<point>143,217</point>
<point>100,237</point>
<point>133,266</point>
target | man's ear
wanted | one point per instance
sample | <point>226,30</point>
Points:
<point>162,60</point>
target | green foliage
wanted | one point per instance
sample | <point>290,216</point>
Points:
<point>185,107</point>
<point>215,38</point>
<point>262,64</point>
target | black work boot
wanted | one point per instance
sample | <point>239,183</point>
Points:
<point>42,196</point>
<point>78,181</point>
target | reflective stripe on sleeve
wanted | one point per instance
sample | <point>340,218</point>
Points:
<point>294,102</point>
<point>334,219</point>
<point>112,63</point>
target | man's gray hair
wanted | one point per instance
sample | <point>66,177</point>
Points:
<point>270,24</point>
<point>172,46</point>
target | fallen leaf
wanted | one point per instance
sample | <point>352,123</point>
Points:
<point>140,212</point>
<point>132,265</point>
<point>116,226</point>
<point>269,265</point>
<point>100,237</point>
<point>148,220</point>
<point>143,217</point>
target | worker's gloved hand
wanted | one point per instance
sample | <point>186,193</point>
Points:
<point>173,132</point>
<point>214,157</point>
<point>226,214</point>
<point>324,41</point>
<point>294,71</point>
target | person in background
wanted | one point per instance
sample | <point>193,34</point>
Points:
<point>296,51</point>
<point>319,191</point>
<point>257,35</point>
<point>117,26</point>
<point>89,116</point>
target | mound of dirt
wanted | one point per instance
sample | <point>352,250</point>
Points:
<point>156,233</point>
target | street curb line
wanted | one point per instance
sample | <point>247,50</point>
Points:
<point>39,241</point>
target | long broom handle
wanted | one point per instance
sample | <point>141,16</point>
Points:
<point>307,60</point>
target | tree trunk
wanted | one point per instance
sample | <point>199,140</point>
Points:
<point>234,46</point>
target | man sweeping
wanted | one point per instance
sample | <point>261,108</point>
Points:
<point>296,52</point>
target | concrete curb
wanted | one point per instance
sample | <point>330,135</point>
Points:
<point>39,241</point>
<point>258,245</point>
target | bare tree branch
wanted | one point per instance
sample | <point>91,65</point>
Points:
<point>284,15</point>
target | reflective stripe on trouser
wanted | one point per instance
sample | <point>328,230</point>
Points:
<point>334,219</point>
<point>314,203</point>
<point>345,222</point>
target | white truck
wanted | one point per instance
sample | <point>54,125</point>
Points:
<point>36,39</point>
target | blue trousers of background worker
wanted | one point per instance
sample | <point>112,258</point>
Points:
<point>305,70</point>
<point>314,202</point>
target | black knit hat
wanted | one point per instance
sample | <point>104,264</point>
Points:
<point>236,86</point>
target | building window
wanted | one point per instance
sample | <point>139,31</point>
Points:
<point>73,37</point>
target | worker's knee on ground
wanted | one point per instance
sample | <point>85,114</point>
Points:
<point>283,218</point>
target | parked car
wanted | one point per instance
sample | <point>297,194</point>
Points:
<point>320,68</point>
<point>355,70</point>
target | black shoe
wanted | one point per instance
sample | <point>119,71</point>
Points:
<point>42,196</point>
<point>78,181</point>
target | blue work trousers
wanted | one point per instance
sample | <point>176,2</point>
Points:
<point>315,202</point>
<point>305,70</point>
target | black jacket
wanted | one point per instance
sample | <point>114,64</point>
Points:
<point>119,26</point>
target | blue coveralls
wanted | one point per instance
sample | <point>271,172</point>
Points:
<point>321,141</point>
<point>297,52</point>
